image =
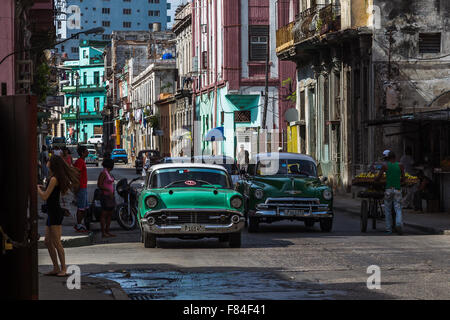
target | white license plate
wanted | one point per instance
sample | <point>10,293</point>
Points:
<point>296,213</point>
<point>192,228</point>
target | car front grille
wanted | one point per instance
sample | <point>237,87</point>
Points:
<point>312,204</point>
<point>178,218</point>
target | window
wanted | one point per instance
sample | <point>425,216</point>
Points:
<point>59,24</point>
<point>169,6</point>
<point>429,42</point>
<point>242,116</point>
<point>85,105</point>
<point>169,19</point>
<point>97,104</point>
<point>153,1</point>
<point>259,38</point>
<point>126,24</point>
<point>97,78</point>
<point>85,55</point>
<point>74,49</point>
<point>106,10</point>
<point>126,0</point>
<point>106,23</point>
<point>153,13</point>
<point>85,78</point>
<point>106,37</point>
<point>126,11</point>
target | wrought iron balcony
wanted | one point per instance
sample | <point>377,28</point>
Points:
<point>317,20</point>
<point>285,37</point>
<point>83,88</point>
<point>82,116</point>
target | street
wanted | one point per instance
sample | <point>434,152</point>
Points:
<point>284,260</point>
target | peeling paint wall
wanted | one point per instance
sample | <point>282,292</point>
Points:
<point>420,77</point>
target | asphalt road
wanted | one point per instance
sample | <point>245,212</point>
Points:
<point>284,260</point>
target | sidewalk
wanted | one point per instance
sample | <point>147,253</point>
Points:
<point>433,223</point>
<point>70,238</point>
<point>55,288</point>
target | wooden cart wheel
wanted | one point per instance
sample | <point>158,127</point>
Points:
<point>374,213</point>
<point>364,215</point>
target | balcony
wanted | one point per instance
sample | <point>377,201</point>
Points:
<point>84,88</point>
<point>82,116</point>
<point>285,37</point>
<point>317,21</point>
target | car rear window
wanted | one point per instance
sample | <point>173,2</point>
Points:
<point>119,152</point>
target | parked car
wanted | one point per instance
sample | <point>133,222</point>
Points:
<point>227,162</point>
<point>92,157</point>
<point>59,142</point>
<point>119,155</point>
<point>190,201</point>
<point>286,186</point>
<point>96,139</point>
<point>155,158</point>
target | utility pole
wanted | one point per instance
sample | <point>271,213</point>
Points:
<point>266,92</point>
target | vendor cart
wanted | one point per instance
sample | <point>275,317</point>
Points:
<point>372,199</point>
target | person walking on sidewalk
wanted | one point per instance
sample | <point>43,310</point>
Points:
<point>62,178</point>
<point>81,194</point>
<point>67,157</point>
<point>395,174</point>
<point>105,183</point>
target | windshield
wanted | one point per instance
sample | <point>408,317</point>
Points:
<point>286,167</point>
<point>149,153</point>
<point>189,178</point>
<point>93,152</point>
<point>119,152</point>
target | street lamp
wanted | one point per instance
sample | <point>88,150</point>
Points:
<point>98,30</point>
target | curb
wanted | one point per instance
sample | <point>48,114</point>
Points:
<point>72,241</point>
<point>430,230</point>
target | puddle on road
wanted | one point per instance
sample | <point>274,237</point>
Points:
<point>227,285</point>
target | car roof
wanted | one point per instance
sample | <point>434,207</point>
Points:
<point>188,165</point>
<point>92,150</point>
<point>118,149</point>
<point>284,156</point>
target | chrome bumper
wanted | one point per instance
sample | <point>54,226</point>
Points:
<point>289,211</point>
<point>176,229</point>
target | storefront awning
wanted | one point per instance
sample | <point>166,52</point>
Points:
<point>215,134</point>
<point>243,101</point>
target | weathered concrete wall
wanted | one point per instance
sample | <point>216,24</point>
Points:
<point>418,78</point>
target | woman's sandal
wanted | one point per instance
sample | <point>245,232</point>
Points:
<point>62,275</point>
<point>52,273</point>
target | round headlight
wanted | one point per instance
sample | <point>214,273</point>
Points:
<point>236,202</point>
<point>259,193</point>
<point>151,201</point>
<point>327,194</point>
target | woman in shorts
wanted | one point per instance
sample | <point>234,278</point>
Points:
<point>62,179</point>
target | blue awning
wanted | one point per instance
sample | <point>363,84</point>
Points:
<point>215,134</point>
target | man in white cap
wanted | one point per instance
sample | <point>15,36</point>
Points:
<point>243,159</point>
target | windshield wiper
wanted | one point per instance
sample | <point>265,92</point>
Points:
<point>178,181</point>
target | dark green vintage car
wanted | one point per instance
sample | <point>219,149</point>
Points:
<point>285,186</point>
<point>190,201</point>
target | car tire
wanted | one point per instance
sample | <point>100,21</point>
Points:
<point>149,240</point>
<point>235,240</point>
<point>326,224</point>
<point>253,224</point>
<point>309,223</point>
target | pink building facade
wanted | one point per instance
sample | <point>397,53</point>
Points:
<point>230,39</point>
<point>7,13</point>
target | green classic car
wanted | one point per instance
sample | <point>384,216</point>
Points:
<point>285,186</point>
<point>190,201</point>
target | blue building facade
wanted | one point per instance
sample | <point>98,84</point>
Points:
<point>85,92</point>
<point>112,15</point>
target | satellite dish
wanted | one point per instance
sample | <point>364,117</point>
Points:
<point>291,115</point>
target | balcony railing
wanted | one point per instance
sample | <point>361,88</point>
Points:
<point>285,37</point>
<point>83,88</point>
<point>82,116</point>
<point>317,20</point>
